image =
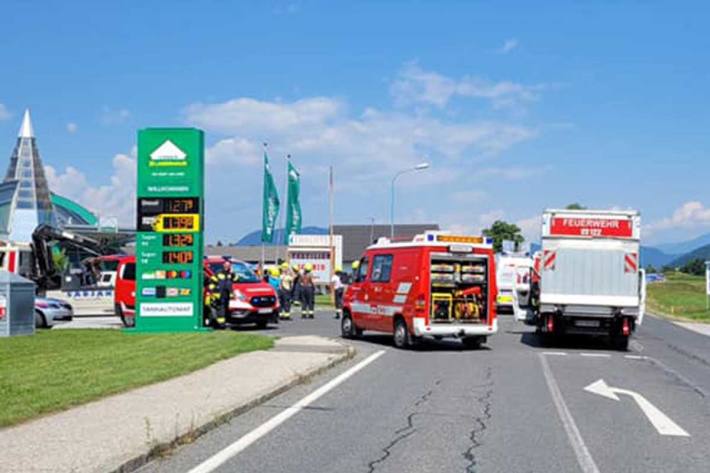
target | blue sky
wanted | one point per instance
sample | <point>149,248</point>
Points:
<point>518,106</point>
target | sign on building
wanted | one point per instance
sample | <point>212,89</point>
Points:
<point>169,244</point>
<point>324,253</point>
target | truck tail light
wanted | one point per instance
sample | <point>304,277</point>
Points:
<point>625,327</point>
<point>550,323</point>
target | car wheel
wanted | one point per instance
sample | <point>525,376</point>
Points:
<point>347,327</point>
<point>262,324</point>
<point>40,320</point>
<point>401,334</point>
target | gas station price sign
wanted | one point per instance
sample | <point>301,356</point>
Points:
<point>170,216</point>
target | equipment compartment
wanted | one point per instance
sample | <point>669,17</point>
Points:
<point>459,292</point>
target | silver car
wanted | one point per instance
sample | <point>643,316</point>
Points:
<point>48,311</point>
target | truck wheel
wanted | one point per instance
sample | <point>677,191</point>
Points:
<point>472,343</point>
<point>348,328</point>
<point>401,334</point>
<point>620,342</point>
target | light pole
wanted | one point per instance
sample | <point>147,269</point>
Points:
<point>418,167</point>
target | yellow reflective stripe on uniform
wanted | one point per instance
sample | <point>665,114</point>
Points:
<point>221,276</point>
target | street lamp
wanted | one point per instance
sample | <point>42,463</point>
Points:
<point>418,167</point>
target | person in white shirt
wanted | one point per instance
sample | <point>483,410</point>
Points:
<point>338,286</point>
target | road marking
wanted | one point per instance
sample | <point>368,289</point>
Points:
<point>584,458</point>
<point>554,353</point>
<point>237,447</point>
<point>663,424</point>
<point>596,355</point>
<point>635,357</point>
<point>636,346</point>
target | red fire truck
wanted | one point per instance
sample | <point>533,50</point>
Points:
<point>436,284</point>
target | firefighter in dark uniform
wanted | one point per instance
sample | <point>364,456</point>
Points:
<point>220,291</point>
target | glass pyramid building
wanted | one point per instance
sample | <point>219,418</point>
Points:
<point>31,203</point>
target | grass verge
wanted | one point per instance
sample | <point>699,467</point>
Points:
<point>681,296</point>
<point>55,370</point>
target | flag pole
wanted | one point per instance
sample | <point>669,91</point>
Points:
<point>286,209</point>
<point>263,248</point>
<point>331,186</point>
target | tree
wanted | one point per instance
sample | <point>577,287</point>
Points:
<point>500,231</point>
<point>651,269</point>
<point>576,206</point>
<point>695,266</point>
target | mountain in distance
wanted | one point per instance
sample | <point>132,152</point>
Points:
<point>682,247</point>
<point>254,238</point>
<point>702,253</point>
<point>655,257</point>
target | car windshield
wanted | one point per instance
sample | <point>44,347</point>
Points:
<point>244,272</point>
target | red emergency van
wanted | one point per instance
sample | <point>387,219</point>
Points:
<point>436,284</point>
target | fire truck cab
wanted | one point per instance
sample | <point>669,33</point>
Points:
<point>434,285</point>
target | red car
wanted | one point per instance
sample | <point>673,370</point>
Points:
<point>254,301</point>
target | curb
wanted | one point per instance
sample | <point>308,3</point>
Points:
<point>189,437</point>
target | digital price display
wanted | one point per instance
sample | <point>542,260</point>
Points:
<point>187,205</point>
<point>178,257</point>
<point>177,223</point>
<point>178,240</point>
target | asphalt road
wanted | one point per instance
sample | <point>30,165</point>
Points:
<point>512,406</point>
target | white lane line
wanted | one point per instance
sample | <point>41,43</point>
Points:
<point>635,357</point>
<point>554,353</point>
<point>584,458</point>
<point>596,355</point>
<point>237,447</point>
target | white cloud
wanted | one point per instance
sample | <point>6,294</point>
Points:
<point>115,199</point>
<point>511,173</point>
<point>72,127</point>
<point>508,46</point>
<point>111,116</point>
<point>4,112</point>
<point>691,214</point>
<point>321,130</point>
<point>417,86</point>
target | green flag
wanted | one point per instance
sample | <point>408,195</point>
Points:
<point>270,204</point>
<point>293,209</point>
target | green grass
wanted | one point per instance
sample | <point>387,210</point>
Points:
<point>55,370</point>
<point>324,299</point>
<point>682,296</point>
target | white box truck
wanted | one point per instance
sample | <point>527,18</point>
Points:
<point>590,278</point>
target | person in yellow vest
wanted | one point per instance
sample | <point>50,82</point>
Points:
<point>308,292</point>
<point>285,291</point>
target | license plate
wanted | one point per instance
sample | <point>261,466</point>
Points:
<point>503,299</point>
<point>587,323</point>
<point>265,311</point>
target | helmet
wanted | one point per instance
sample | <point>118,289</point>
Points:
<point>308,267</point>
<point>284,265</point>
<point>274,271</point>
<point>338,269</point>
<point>356,264</point>
<point>295,267</point>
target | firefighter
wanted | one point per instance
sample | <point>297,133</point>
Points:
<point>285,291</point>
<point>338,283</point>
<point>296,292</point>
<point>308,291</point>
<point>220,291</point>
<point>274,278</point>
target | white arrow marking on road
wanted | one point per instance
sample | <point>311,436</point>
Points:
<point>663,424</point>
